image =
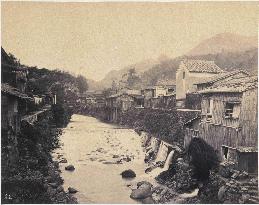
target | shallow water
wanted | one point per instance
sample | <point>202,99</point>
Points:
<point>91,146</point>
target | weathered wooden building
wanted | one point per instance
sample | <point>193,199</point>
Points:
<point>193,99</point>
<point>191,72</point>
<point>13,106</point>
<point>159,96</point>
<point>229,121</point>
<point>121,102</point>
<point>221,77</point>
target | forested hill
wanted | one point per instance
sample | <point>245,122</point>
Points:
<point>229,51</point>
<point>43,80</point>
<point>164,72</point>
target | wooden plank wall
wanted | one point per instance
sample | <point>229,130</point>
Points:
<point>229,132</point>
<point>218,111</point>
<point>249,118</point>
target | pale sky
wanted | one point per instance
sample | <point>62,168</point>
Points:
<point>93,38</point>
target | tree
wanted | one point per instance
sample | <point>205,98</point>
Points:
<point>114,86</point>
<point>130,79</point>
<point>133,79</point>
<point>14,60</point>
<point>82,83</point>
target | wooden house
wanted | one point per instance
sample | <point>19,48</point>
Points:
<point>229,120</point>
<point>122,102</point>
<point>193,99</point>
<point>99,99</point>
<point>13,106</point>
<point>221,77</point>
<point>191,72</point>
<point>155,96</point>
<point>154,91</point>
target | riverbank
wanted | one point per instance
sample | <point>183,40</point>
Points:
<point>177,182</point>
<point>35,178</point>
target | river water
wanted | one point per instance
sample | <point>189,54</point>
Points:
<point>94,147</point>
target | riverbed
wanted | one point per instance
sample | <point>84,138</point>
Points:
<point>100,152</point>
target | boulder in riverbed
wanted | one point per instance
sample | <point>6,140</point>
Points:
<point>72,190</point>
<point>128,174</point>
<point>108,162</point>
<point>127,159</point>
<point>70,168</point>
<point>141,192</point>
<point>63,161</point>
<point>144,182</point>
<point>115,156</point>
<point>148,200</point>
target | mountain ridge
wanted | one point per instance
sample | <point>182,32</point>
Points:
<point>224,42</point>
<point>243,54</point>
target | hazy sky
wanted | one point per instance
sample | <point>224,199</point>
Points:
<point>94,38</point>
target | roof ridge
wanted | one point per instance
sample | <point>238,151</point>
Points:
<point>201,66</point>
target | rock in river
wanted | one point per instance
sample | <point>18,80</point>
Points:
<point>70,168</point>
<point>115,156</point>
<point>144,182</point>
<point>128,174</point>
<point>142,192</point>
<point>63,161</point>
<point>72,190</point>
<point>148,200</point>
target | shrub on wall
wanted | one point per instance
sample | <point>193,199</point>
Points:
<point>25,184</point>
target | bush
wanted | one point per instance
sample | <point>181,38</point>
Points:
<point>203,157</point>
<point>25,184</point>
<point>61,115</point>
<point>25,187</point>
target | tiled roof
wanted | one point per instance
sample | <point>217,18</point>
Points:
<point>234,85</point>
<point>221,76</point>
<point>202,66</point>
<point>5,88</point>
<point>153,87</point>
<point>125,93</point>
<point>166,82</point>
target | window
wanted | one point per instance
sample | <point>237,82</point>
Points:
<point>225,152</point>
<point>232,110</point>
<point>153,93</point>
<point>209,109</point>
<point>183,75</point>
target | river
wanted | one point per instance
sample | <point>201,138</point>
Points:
<point>94,147</point>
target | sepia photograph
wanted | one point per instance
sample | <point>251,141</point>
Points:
<point>129,102</point>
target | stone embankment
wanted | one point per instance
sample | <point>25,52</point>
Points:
<point>53,184</point>
<point>177,184</point>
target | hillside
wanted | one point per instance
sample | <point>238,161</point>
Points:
<point>116,75</point>
<point>247,60</point>
<point>224,42</point>
<point>229,51</point>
